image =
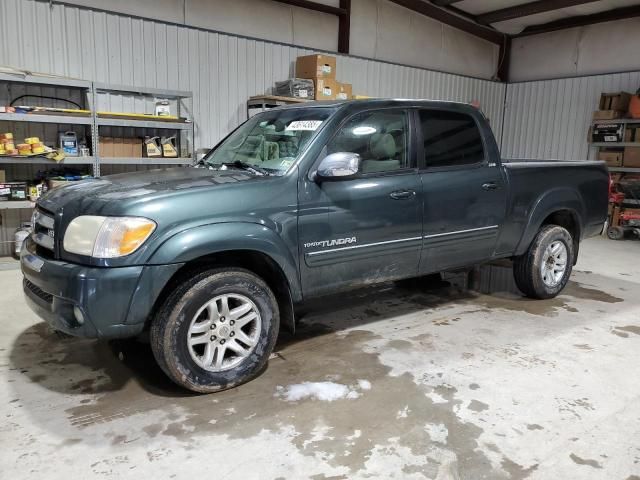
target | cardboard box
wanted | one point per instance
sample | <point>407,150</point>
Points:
<point>119,148</point>
<point>316,66</point>
<point>607,132</point>
<point>3,178</point>
<point>135,147</point>
<point>618,101</point>
<point>607,114</point>
<point>631,157</point>
<point>105,146</point>
<point>611,157</point>
<point>325,89</point>
<point>345,91</point>
<point>632,134</point>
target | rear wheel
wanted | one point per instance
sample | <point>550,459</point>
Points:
<point>216,330</point>
<point>615,233</point>
<point>544,270</point>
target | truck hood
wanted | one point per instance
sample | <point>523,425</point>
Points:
<point>95,194</point>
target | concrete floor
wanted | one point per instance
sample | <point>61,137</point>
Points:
<point>443,384</point>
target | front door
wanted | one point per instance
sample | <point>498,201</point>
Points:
<point>368,229</point>
<point>464,193</point>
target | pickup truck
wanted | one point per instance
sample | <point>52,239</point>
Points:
<point>298,202</point>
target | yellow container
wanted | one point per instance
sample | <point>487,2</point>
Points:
<point>3,151</point>
<point>24,149</point>
<point>31,140</point>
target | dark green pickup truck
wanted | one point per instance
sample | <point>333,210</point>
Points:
<point>298,202</point>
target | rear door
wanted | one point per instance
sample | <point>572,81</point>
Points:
<point>368,229</point>
<point>464,192</point>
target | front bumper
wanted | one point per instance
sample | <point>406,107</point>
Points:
<point>115,302</point>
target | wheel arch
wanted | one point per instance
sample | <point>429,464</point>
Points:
<point>563,207</point>
<point>252,247</point>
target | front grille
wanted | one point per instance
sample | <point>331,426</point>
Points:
<point>44,229</point>
<point>38,292</point>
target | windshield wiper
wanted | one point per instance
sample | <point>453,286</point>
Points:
<point>246,166</point>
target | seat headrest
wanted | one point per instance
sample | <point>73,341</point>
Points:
<point>382,145</point>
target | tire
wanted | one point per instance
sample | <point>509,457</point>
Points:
<point>615,233</point>
<point>527,268</point>
<point>186,311</point>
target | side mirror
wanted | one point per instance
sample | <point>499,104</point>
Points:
<point>338,166</point>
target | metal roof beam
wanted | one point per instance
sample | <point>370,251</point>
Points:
<point>444,3</point>
<point>429,10</point>
<point>318,7</point>
<point>582,20</point>
<point>526,9</point>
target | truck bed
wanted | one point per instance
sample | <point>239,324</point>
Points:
<point>579,185</point>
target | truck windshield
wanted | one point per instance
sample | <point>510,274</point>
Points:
<point>269,142</point>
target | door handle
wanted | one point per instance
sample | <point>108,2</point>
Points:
<point>490,186</point>
<point>402,194</point>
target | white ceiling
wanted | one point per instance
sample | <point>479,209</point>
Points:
<point>516,25</point>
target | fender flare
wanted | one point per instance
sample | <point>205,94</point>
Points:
<point>204,240</point>
<point>549,202</point>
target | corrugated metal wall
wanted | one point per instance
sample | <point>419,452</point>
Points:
<point>221,70</point>
<point>550,118</point>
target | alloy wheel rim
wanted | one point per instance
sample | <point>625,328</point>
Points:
<point>224,332</point>
<point>554,264</point>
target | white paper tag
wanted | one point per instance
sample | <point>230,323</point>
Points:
<point>5,191</point>
<point>341,96</point>
<point>304,125</point>
<point>302,94</point>
<point>326,68</point>
<point>610,138</point>
<point>326,91</point>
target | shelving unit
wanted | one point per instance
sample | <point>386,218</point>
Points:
<point>185,130</point>
<point>94,121</point>
<point>595,146</point>
<point>16,205</point>
<point>38,118</point>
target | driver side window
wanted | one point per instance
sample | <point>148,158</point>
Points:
<point>379,137</point>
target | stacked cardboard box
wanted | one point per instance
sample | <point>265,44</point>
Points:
<point>322,70</point>
<point>632,154</point>
<point>612,105</point>
<point>613,158</point>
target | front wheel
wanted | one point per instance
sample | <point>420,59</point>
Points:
<point>216,330</point>
<point>544,270</point>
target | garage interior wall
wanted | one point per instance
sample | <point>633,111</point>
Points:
<point>549,119</point>
<point>380,29</point>
<point>593,49</point>
<point>221,70</point>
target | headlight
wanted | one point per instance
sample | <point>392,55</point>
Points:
<point>106,237</point>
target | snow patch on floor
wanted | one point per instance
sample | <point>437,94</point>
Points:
<point>438,432</point>
<point>364,384</point>
<point>324,391</point>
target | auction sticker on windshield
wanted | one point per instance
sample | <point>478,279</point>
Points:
<point>304,125</point>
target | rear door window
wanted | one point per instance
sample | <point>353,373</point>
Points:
<point>450,139</point>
